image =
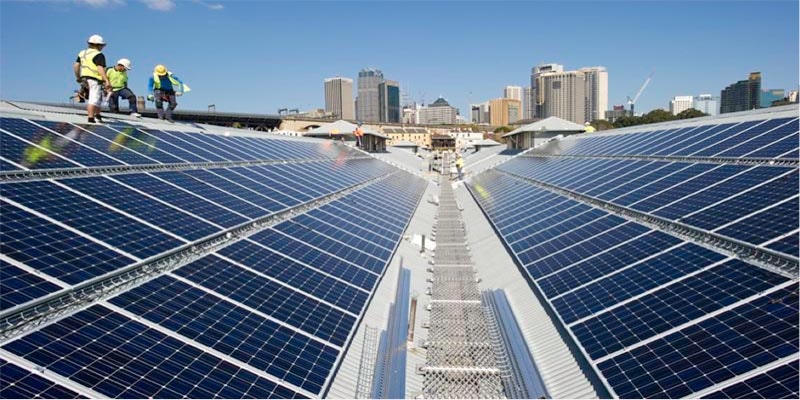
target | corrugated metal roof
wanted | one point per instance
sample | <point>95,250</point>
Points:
<point>549,124</point>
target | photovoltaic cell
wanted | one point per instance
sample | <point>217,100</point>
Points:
<point>18,286</point>
<point>19,383</point>
<point>54,250</point>
<point>777,383</point>
<point>119,357</point>
<point>31,156</point>
<point>231,330</point>
<point>100,222</point>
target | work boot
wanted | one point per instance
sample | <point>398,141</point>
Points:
<point>91,120</point>
<point>136,115</point>
<point>99,118</point>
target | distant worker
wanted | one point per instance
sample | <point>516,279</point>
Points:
<point>90,69</point>
<point>118,76</point>
<point>460,167</point>
<point>164,85</point>
<point>359,133</point>
<point>588,128</point>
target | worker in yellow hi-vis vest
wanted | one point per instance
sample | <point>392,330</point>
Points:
<point>90,69</point>
<point>163,86</point>
<point>588,128</point>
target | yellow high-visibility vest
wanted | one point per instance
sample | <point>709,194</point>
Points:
<point>88,67</point>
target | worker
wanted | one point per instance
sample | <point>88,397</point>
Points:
<point>460,166</point>
<point>90,68</point>
<point>118,76</point>
<point>588,128</point>
<point>164,85</point>
<point>359,134</point>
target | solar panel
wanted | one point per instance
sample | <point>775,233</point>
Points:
<point>215,265</point>
<point>669,256</point>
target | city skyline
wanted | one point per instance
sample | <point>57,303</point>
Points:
<point>288,74</point>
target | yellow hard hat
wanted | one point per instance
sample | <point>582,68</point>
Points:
<point>160,69</point>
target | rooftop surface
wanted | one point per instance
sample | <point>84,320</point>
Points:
<point>146,259</point>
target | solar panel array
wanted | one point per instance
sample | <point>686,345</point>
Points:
<point>266,316</point>
<point>668,256</point>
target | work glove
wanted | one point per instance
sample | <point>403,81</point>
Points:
<point>150,97</point>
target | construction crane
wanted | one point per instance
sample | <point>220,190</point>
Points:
<point>644,85</point>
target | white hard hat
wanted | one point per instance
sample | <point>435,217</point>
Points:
<point>96,39</point>
<point>125,63</point>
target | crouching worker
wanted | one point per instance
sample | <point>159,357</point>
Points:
<point>118,76</point>
<point>164,86</point>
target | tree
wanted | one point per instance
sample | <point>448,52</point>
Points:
<point>691,113</point>
<point>503,129</point>
<point>602,125</point>
<point>623,122</point>
<point>657,115</point>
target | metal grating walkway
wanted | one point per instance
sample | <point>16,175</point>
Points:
<point>461,361</point>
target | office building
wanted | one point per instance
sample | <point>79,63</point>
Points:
<point>479,113</point>
<point>742,96</point>
<point>527,102</point>
<point>389,101</point>
<point>503,112</point>
<point>680,103</point>
<point>617,112</point>
<point>440,112</point>
<point>339,97</point>
<point>770,95</point>
<point>596,92</point>
<point>368,102</point>
<point>706,103</point>
<point>562,95</point>
<point>513,92</point>
<point>537,100</point>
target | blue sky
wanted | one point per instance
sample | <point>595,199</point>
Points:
<point>258,56</point>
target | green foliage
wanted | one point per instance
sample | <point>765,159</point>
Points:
<point>602,125</point>
<point>691,113</point>
<point>623,122</point>
<point>503,129</point>
<point>657,115</point>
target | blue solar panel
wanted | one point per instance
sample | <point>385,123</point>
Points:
<point>657,314</point>
<point>53,250</point>
<point>183,199</point>
<point>271,298</point>
<point>670,307</point>
<point>129,201</point>
<point>102,223</point>
<point>19,383</point>
<point>125,148</point>
<point>32,155</point>
<point>777,383</point>
<point>710,352</point>
<point>296,275</point>
<point>251,320</point>
<point>119,357</point>
<point>234,331</point>
<point>19,286</point>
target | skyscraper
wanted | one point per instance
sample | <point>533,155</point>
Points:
<point>706,103</point>
<point>564,98</point>
<point>680,103</point>
<point>770,95</point>
<point>596,92</point>
<point>513,92</point>
<point>561,94</point>
<point>368,104</point>
<point>339,97</point>
<point>438,112</point>
<point>527,103</point>
<point>537,101</point>
<point>504,111</point>
<point>389,101</point>
<point>742,95</point>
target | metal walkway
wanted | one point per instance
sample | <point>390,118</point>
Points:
<point>461,360</point>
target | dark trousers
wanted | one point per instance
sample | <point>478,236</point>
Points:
<point>125,93</point>
<point>160,97</point>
